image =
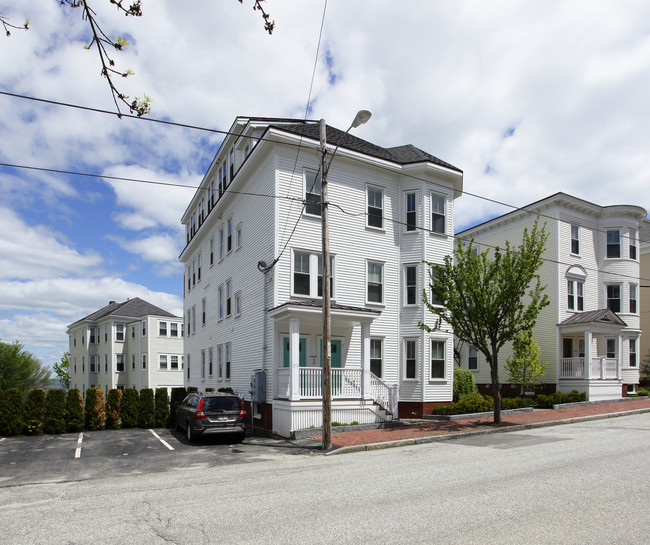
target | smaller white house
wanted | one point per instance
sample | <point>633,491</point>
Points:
<point>590,333</point>
<point>133,344</point>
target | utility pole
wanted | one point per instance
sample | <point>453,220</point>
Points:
<point>326,347</point>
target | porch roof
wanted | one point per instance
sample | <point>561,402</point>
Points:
<point>601,319</point>
<point>314,308</point>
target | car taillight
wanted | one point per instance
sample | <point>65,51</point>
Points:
<point>242,412</point>
<point>199,411</point>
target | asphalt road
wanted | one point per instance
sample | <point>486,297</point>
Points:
<point>572,484</point>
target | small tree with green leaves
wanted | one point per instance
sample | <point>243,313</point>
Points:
<point>645,370</point>
<point>95,412</point>
<point>129,408</point>
<point>464,384</point>
<point>147,409</point>
<point>74,411</point>
<point>34,412</point>
<point>11,412</point>
<point>162,407</point>
<point>488,298</point>
<point>55,411</point>
<point>524,366</point>
<point>113,402</point>
<point>62,370</point>
<point>21,369</point>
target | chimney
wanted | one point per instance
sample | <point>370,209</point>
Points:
<point>111,302</point>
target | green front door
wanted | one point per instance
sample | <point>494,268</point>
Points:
<point>302,349</point>
<point>336,353</point>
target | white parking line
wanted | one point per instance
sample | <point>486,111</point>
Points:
<point>161,440</point>
<point>77,452</point>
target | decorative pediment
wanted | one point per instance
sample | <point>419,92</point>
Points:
<point>603,316</point>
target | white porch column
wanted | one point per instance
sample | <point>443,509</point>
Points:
<point>294,358</point>
<point>587,369</point>
<point>365,362</point>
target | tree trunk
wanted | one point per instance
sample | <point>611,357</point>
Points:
<point>496,390</point>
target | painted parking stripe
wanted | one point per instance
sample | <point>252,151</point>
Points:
<point>161,440</point>
<point>77,452</point>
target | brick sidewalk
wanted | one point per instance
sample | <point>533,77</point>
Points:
<point>421,430</point>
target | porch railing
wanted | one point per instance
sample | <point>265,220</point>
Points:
<point>601,368</point>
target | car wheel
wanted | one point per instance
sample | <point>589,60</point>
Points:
<point>240,437</point>
<point>188,432</point>
<point>178,426</point>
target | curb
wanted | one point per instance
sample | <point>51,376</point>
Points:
<point>450,436</point>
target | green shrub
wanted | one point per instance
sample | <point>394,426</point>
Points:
<point>130,408</point>
<point>74,411</point>
<point>34,412</point>
<point>95,411</point>
<point>178,395</point>
<point>113,401</point>
<point>643,392</point>
<point>161,402</point>
<point>11,412</point>
<point>464,384</point>
<point>509,403</point>
<point>475,403</point>
<point>147,410</point>
<point>55,411</point>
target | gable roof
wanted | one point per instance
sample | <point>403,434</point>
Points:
<point>601,316</point>
<point>131,308</point>
<point>402,155</point>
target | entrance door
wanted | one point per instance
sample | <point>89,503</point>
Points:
<point>567,348</point>
<point>336,353</point>
<point>302,349</point>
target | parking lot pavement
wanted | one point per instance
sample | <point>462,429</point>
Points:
<point>98,454</point>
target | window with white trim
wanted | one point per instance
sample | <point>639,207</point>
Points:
<point>229,235</point>
<point>375,198</point>
<point>575,294</point>
<point>472,358</point>
<point>220,362</point>
<point>238,303</point>
<point>308,274</point>
<point>202,364</point>
<point>437,359</point>
<point>193,318</point>
<point>144,361</point>
<point>433,298</point>
<point>632,236</point>
<point>220,301</point>
<point>610,348</point>
<point>375,282</point>
<point>312,193</point>
<point>228,298</point>
<point>198,267</point>
<point>613,296</point>
<point>411,210</point>
<point>238,233</point>
<point>211,252</point>
<point>203,311</point>
<point>410,359</point>
<point>162,329</point>
<point>228,355</point>
<point>613,244</point>
<point>221,241</point>
<point>119,362</point>
<point>633,359</point>
<point>173,329</point>
<point>633,309</point>
<point>133,362</point>
<point>173,362</point>
<point>189,321</point>
<point>377,357</point>
<point>162,362</point>
<point>119,332</point>
<point>210,362</point>
<point>438,216</point>
<point>410,284</point>
<point>575,239</point>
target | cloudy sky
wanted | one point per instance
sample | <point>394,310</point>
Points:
<point>527,98</point>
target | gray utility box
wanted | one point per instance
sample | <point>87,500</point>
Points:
<point>258,386</point>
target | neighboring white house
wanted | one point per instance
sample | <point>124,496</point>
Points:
<point>252,266</point>
<point>133,344</point>
<point>591,330</point>
<point>644,246</point>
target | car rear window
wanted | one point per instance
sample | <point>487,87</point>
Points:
<point>221,404</point>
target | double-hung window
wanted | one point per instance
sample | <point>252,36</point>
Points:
<point>162,329</point>
<point>632,245</point>
<point>301,277</point>
<point>437,359</point>
<point>220,298</point>
<point>162,361</point>
<point>198,269</point>
<point>228,298</point>
<point>633,309</point>
<point>575,295</point>
<point>210,362</point>
<point>613,294</point>
<point>410,359</point>
<point>229,235</point>
<point>632,352</point>
<point>173,362</point>
<point>437,213</point>
<point>228,350</point>
<point>613,244</point>
<point>202,364</point>
<point>211,252</point>
<point>411,211</point>
<point>375,282</point>
<point>375,207</point>
<point>203,311</point>
<point>119,362</point>
<point>410,284</point>
<point>119,332</point>
<point>575,239</point>
<point>376,357</point>
<point>312,193</point>
<point>319,287</point>
<point>308,274</point>
<point>221,243</point>
<point>472,358</point>
<point>220,362</point>
<point>173,329</point>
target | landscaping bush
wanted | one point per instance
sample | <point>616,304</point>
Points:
<point>508,403</point>
<point>129,408</point>
<point>643,392</point>
<point>55,411</point>
<point>34,412</point>
<point>11,412</point>
<point>74,411</point>
<point>178,395</point>
<point>469,404</point>
<point>113,401</point>
<point>146,416</point>
<point>95,411</point>
<point>161,402</point>
<point>464,384</point>
<point>558,398</point>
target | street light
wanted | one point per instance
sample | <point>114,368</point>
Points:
<point>361,117</point>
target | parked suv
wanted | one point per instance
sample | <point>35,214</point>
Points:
<point>201,414</point>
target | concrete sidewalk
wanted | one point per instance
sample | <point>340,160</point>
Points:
<point>429,431</point>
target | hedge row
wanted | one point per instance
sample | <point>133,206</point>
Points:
<point>53,412</point>
<point>476,403</point>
